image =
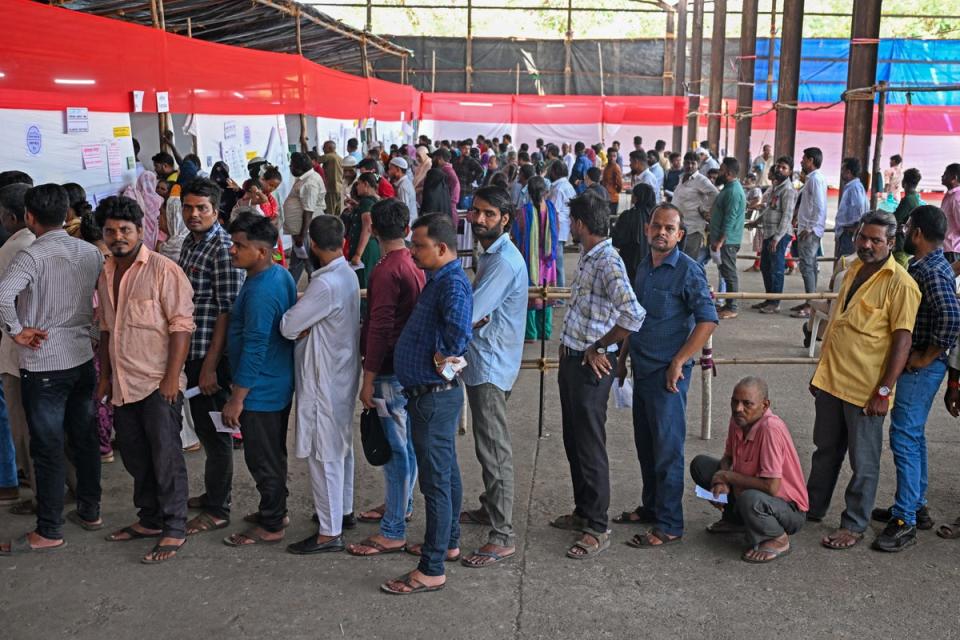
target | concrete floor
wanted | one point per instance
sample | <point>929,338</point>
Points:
<point>94,589</point>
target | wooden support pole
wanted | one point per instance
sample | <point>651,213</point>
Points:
<point>861,72</point>
<point>156,9</point>
<point>878,147</point>
<point>717,50</point>
<point>791,37</point>
<point>568,50</point>
<point>468,69</point>
<point>745,86</point>
<point>303,117</point>
<point>771,48</point>
<point>696,74</point>
<point>680,68</point>
<point>669,40</point>
<point>433,71</point>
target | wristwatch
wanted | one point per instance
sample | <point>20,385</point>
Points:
<point>599,348</point>
<point>883,392</point>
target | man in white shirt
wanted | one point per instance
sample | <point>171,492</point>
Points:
<point>811,220</point>
<point>325,322</point>
<point>568,157</point>
<point>694,196</point>
<point>306,199</point>
<point>403,185</point>
<point>707,162</point>
<point>640,171</point>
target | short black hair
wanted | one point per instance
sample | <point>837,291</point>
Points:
<point>674,155</point>
<point>300,161</point>
<point>557,171</point>
<point>637,140</point>
<point>75,192</point>
<point>390,218</point>
<point>852,165</point>
<point>352,144</point>
<point>442,153</point>
<point>14,177</point>
<point>912,177</point>
<point>119,208</point>
<point>163,158</point>
<point>660,145</point>
<point>579,147</point>
<point>815,154</point>
<point>523,155</point>
<point>369,179</point>
<point>326,232</point>
<point>594,174</point>
<point>732,165</point>
<point>638,155</point>
<point>653,156</point>
<point>527,171</point>
<point>258,228</point>
<point>205,188</point>
<point>499,198</point>
<point>272,173</point>
<point>896,158</point>
<point>367,163</point>
<point>787,160</point>
<point>882,219</point>
<point>931,221</point>
<point>48,203</point>
<point>439,229</point>
<point>953,170</point>
<point>691,156</point>
<point>593,211</point>
<point>11,199</point>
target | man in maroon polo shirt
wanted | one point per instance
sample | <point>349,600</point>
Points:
<point>759,474</point>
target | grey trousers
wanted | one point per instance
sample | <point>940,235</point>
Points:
<point>809,267</point>
<point>488,407</point>
<point>692,243</point>
<point>728,271</point>
<point>765,516</point>
<point>838,428</point>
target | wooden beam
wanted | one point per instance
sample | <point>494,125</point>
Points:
<point>717,50</point>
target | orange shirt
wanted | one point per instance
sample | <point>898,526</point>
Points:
<point>155,300</point>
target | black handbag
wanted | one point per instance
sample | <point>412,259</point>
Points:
<point>375,446</point>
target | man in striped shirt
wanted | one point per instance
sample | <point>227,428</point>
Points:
<point>46,307</point>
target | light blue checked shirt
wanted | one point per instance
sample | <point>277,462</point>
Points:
<point>602,297</point>
<point>853,204</point>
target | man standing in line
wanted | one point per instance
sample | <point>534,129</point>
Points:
<point>775,225</point>
<point>674,173</point>
<point>681,316</point>
<point>441,160</point>
<point>205,259</point>
<point>306,199</point>
<point>694,196</point>
<point>640,171</point>
<point>934,333</point>
<point>951,209</point>
<point>468,172</point>
<point>726,230</point>
<point>865,347</point>
<point>810,221</point>
<point>433,340</point>
<point>333,177</point>
<point>762,165</point>
<point>707,162</point>
<point>853,204</point>
<point>653,164</point>
<point>261,362</point>
<point>353,149</point>
<point>580,166</point>
<point>327,359</point>
<point>499,309</point>
<point>146,318</point>
<point>403,185</point>
<point>603,311</point>
<point>46,307</point>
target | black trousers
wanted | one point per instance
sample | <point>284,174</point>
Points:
<point>148,433</point>
<point>218,470</point>
<point>265,452</point>
<point>583,402</point>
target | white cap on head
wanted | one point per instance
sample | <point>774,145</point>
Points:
<point>400,162</point>
<point>348,162</point>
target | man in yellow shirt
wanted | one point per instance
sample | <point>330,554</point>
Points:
<point>865,349</point>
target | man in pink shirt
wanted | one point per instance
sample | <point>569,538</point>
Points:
<point>759,474</point>
<point>951,209</point>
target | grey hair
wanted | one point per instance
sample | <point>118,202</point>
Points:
<point>757,383</point>
<point>881,219</point>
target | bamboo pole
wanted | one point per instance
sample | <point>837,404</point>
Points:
<point>878,147</point>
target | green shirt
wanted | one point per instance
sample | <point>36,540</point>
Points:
<point>908,203</point>
<point>727,215</point>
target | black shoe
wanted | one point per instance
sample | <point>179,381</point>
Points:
<point>309,545</point>
<point>924,519</point>
<point>806,335</point>
<point>896,536</point>
<point>349,521</point>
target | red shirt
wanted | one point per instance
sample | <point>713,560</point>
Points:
<point>392,292</point>
<point>385,189</point>
<point>768,452</point>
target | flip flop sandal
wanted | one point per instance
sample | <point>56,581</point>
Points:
<point>474,516</point>
<point>641,541</point>
<point>414,550</point>
<point>949,531</point>
<point>254,518</point>
<point>132,533</point>
<point>494,558</point>
<point>203,523</point>
<point>722,526</point>
<point>162,548</point>
<point>75,518</point>
<point>590,550</point>
<point>626,517</point>
<point>415,586</point>
<point>236,539</point>
<point>831,543</point>
<point>372,544</point>
<point>774,554</point>
<point>22,545</point>
<point>569,522</point>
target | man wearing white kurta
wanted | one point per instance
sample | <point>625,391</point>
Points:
<point>326,324</point>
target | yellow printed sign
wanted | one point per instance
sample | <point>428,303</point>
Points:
<point>251,155</point>
<point>121,132</point>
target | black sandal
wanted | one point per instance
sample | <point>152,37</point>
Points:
<point>132,533</point>
<point>151,558</point>
<point>642,541</point>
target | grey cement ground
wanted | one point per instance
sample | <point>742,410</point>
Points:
<point>699,589</point>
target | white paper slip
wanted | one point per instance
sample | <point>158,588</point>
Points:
<point>192,392</point>
<point>357,267</point>
<point>703,493</point>
<point>381,405</point>
<point>217,418</point>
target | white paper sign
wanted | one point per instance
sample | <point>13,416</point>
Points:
<point>78,120</point>
<point>192,392</point>
<point>217,418</point>
<point>163,102</point>
<point>706,495</point>
<point>114,162</point>
<point>138,101</point>
<point>92,156</point>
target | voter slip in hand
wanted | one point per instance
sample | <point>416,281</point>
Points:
<point>708,495</point>
<point>217,418</point>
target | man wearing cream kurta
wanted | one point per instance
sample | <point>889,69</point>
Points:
<point>325,322</point>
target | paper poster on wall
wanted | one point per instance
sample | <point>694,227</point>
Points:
<point>229,129</point>
<point>34,140</point>
<point>78,120</point>
<point>232,155</point>
<point>121,132</point>
<point>137,101</point>
<point>246,135</point>
<point>114,162</point>
<point>92,156</point>
<point>251,155</point>
<point>163,102</point>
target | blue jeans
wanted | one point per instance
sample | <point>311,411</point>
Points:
<point>659,431</point>
<point>8,454</point>
<point>772,265</point>
<point>433,422</point>
<point>915,393</point>
<point>59,408</point>
<point>400,473</point>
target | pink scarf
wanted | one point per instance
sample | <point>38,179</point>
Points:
<point>145,193</point>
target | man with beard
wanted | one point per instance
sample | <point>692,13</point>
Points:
<point>494,354</point>
<point>673,289</point>
<point>934,333</point>
<point>306,199</point>
<point>693,196</point>
<point>146,318</point>
<point>865,347</point>
<point>726,229</point>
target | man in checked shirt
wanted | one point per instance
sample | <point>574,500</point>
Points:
<point>216,283</point>
<point>603,311</point>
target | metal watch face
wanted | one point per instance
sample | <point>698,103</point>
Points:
<point>883,392</point>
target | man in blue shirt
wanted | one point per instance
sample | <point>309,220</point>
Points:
<point>499,311</point>
<point>853,204</point>
<point>580,167</point>
<point>261,363</point>
<point>681,316</point>
<point>433,340</point>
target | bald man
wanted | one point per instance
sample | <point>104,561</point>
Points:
<point>759,474</point>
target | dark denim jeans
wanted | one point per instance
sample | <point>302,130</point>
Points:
<point>433,421</point>
<point>772,265</point>
<point>218,467</point>
<point>59,408</point>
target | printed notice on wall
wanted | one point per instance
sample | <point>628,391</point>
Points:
<point>78,120</point>
<point>92,156</point>
<point>114,162</point>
